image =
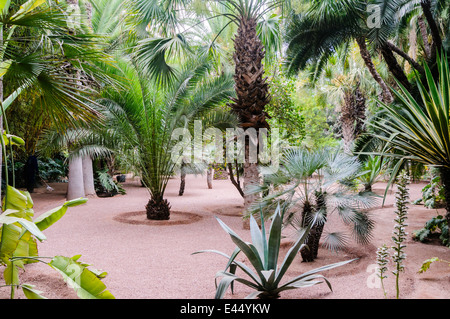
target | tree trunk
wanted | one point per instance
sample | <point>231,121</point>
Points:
<point>251,90</point>
<point>445,179</point>
<point>352,117</point>
<point>158,208</point>
<point>307,252</point>
<point>437,41</point>
<point>321,205</point>
<point>365,54</point>
<point>394,67</point>
<point>183,181</point>
<point>424,34</point>
<point>251,177</point>
<point>209,176</point>
<point>75,188</point>
<point>88,177</point>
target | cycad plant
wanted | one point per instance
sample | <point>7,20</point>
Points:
<point>313,185</point>
<point>418,129</point>
<point>145,116</point>
<point>263,255</point>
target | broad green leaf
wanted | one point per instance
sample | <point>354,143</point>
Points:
<point>28,6</point>
<point>86,284</point>
<point>15,199</point>
<point>47,219</point>
<point>11,274</point>
<point>4,65</point>
<point>30,226</point>
<point>4,6</point>
<point>31,293</point>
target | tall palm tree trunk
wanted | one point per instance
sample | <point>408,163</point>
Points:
<point>88,177</point>
<point>75,187</point>
<point>182,180</point>
<point>394,67</point>
<point>352,116</point>
<point>252,92</point>
<point>365,55</point>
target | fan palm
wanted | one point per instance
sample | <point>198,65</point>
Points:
<point>419,130</point>
<point>146,116</point>
<point>314,35</point>
<point>313,185</point>
<point>41,52</point>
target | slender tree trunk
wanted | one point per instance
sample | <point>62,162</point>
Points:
<point>394,67</point>
<point>437,41</point>
<point>183,180</point>
<point>251,90</point>
<point>307,251</point>
<point>209,176</point>
<point>347,120</point>
<point>365,54</point>
<point>88,177</point>
<point>75,187</point>
<point>424,34</point>
<point>321,205</point>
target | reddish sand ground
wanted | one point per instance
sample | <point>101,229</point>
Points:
<point>146,259</point>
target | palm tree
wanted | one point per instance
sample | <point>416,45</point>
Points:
<point>41,53</point>
<point>83,145</point>
<point>250,85</point>
<point>314,35</point>
<point>146,116</point>
<point>311,185</point>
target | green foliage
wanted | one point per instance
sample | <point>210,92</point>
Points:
<point>373,167</point>
<point>318,118</point>
<point>435,227</point>
<point>323,180</point>
<point>52,169</point>
<point>284,111</point>
<point>432,194</point>
<point>18,245</point>
<point>105,184</point>
<point>263,254</point>
<point>427,263</point>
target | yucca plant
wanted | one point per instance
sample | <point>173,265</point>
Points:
<point>419,129</point>
<point>263,254</point>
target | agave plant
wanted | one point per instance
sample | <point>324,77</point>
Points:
<point>263,255</point>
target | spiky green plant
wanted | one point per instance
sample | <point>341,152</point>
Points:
<point>262,254</point>
<point>419,129</point>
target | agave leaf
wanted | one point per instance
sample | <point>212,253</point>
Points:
<point>292,252</point>
<point>244,267</point>
<point>250,253</point>
<point>274,240</point>
<point>227,279</point>
<point>257,239</point>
